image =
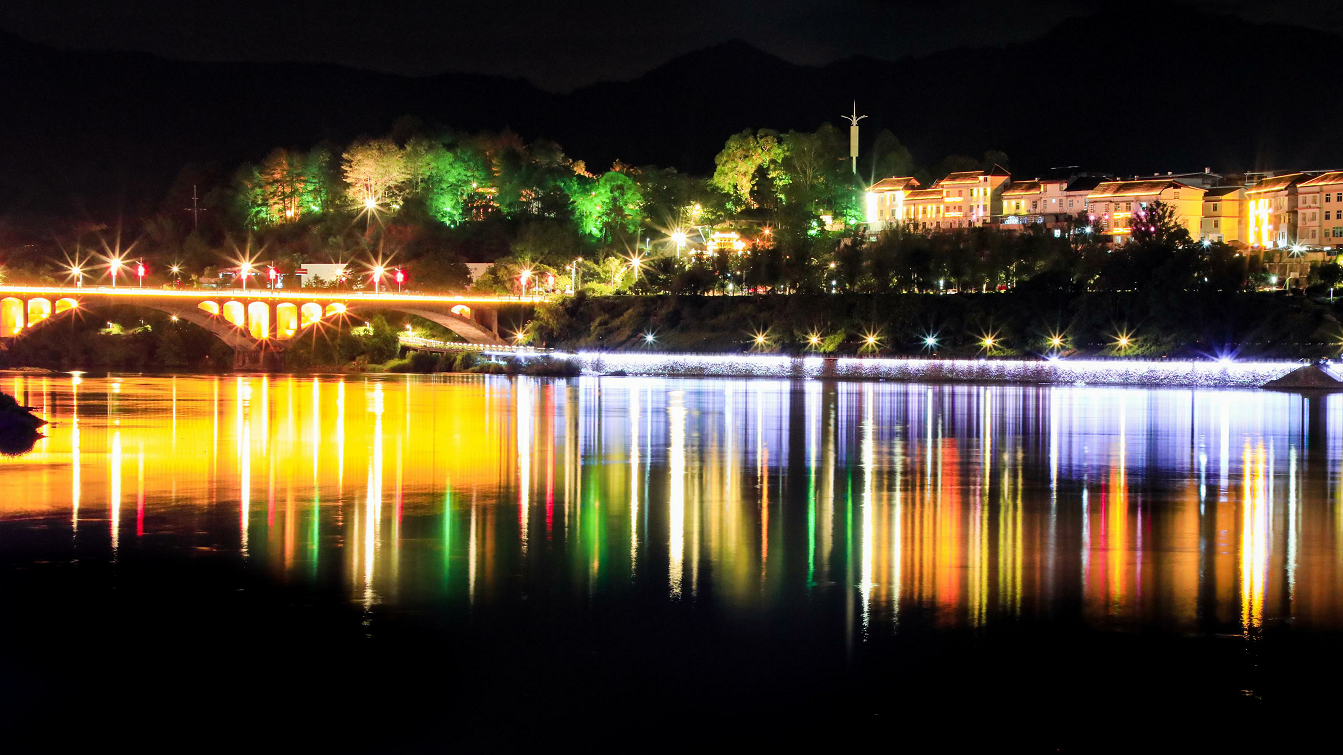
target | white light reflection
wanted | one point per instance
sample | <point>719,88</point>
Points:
<point>524,415</point>
<point>634,474</point>
<point>676,415</point>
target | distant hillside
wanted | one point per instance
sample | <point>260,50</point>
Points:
<point>1126,92</point>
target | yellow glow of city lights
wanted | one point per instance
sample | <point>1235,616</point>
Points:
<point>370,203</point>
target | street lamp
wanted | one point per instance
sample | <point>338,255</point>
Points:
<point>78,272</point>
<point>272,275</point>
<point>679,238</point>
<point>377,279</point>
<point>244,271</point>
<point>525,276</point>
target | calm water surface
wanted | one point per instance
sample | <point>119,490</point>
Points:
<point>846,549</point>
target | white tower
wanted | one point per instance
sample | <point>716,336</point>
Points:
<point>853,135</point>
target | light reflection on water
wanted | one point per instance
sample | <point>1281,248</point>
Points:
<point>954,506</point>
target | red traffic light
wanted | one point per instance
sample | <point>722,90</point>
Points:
<point>140,270</point>
<point>400,276</point>
<point>272,273</point>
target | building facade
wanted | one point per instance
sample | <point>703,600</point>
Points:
<point>1271,211</point>
<point>1114,206</point>
<point>886,201</point>
<point>1041,201</point>
<point>1221,221</point>
<point>1320,211</point>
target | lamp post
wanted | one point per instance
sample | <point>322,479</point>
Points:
<point>377,279</point>
<point>114,266</point>
<point>245,271</point>
<point>272,275</point>
<point>525,276</point>
<point>79,276</point>
<point>400,279</point>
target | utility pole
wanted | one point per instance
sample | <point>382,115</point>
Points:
<point>853,135</point>
<point>195,210</point>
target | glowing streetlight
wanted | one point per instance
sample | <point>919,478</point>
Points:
<point>649,338</point>
<point>78,273</point>
<point>988,342</point>
<point>272,275</point>
<point>814,340</point>
<point>114,269</point>
<point>524,277</point>
<point>930,342</point>
<point>678,238</point>
<point>377,279</point>
<point>1056,342</point>
<point>245,272</point>
<point>370,203</point>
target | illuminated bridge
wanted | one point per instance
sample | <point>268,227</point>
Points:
<point>256,321</point>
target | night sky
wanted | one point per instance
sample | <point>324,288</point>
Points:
<point>563,45</point>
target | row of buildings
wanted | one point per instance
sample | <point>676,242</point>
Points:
<point>1299,211</point>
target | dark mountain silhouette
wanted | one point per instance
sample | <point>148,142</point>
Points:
<point>1132,92</point>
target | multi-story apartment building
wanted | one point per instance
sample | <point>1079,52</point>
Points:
<point>1221,215</point>
<point>1040,201</point>
<point>961,200</point>
<point>1113,206</point>
<point>1271,211</point>
<point>1076,192</point>
<point>886,201</point>
<point>1320,211</point>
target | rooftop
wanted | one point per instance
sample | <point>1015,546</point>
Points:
<point>1332,177</point>
<point>1136,188</point>
<point>894,183</point>
<point>1277,183</point>
<point>1024,188</point>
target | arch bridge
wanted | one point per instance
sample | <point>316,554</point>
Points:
<point>257,321</point>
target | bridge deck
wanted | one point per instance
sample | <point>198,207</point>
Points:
<point>279,295</point>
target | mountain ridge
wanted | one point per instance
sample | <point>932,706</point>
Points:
<point>1120,92</point>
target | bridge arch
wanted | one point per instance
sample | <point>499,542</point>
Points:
<point>235,314</point>
<point>11,316</point>
<point>286,320</point>
<point>209,307</point>
<point>258,320</point>
<point>39,309</point>
<point>309,314</point>
<point>70,307</point>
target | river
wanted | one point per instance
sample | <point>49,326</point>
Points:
<point>388,559</point>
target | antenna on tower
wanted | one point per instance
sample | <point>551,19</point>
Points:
<point>853,135</point>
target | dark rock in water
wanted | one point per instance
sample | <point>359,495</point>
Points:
<point>18,442</point>
<point>1312,377</point>
<point>18,426</point>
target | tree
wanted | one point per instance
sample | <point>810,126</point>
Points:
<point>744,160</point>
<point>890,158</point>
<point>608,207</point>
<point>374,171</point>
